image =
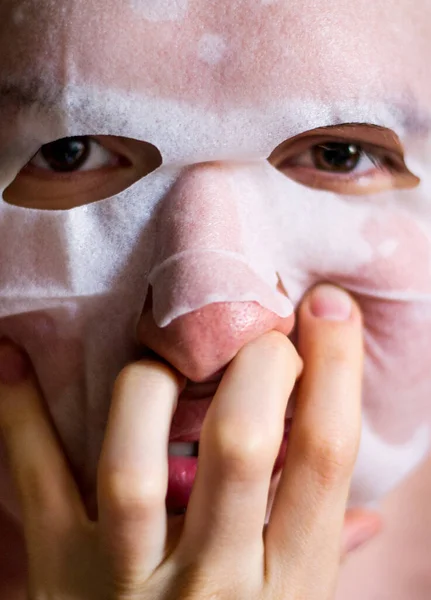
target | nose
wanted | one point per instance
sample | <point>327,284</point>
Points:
<point>201,343</point>
<point>213,288</point>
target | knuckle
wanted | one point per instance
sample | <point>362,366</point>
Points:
<point>331,459</point>
<point>129,495</point>
<point>193,583</point>
<point>35,494</point>
<point>243,450</point>
<point>338,352</point>
<point>335,354</point>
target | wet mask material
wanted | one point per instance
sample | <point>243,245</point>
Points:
<point>278,148</point>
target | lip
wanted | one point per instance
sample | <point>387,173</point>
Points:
<point>193,404</point>
<point>183,469</point>
<point>182,473</point>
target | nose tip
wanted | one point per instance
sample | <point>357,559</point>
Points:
<point>202,342</point>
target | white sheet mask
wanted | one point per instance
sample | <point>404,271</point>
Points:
<point>160,10</point>
<point>216,222</point>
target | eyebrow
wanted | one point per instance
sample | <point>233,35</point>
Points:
<point>414,117</point>
<point>37,93</point>
<point>28,95</point>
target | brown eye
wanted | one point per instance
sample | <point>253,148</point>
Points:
<point>351,159</point>
<point>78,170</point>
<point>72,155</point>
<point>336,157</point>
<point>66,155</point>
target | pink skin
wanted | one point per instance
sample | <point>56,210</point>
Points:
<point>201,343</point>
<point>277,52</point>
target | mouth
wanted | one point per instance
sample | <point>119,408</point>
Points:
<point>184,439</point>
<point>184,444</point>
<point>183,449</point>
<point>206,389</point>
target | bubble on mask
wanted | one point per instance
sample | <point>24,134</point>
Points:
<point>211,48</point>
<point>388,248</point>
<point>161,10</point>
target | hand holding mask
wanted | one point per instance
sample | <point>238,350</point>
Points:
<point>222,548</point>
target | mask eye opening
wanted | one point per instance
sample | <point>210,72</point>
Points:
<point>61,176</point>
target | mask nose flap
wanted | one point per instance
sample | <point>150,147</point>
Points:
<point>203,252</point>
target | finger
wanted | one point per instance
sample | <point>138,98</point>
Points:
<point>133,469</point>
<point>305,527</point>
<point>50,499</point>
<point>239,443</point>
<point>360,527</point>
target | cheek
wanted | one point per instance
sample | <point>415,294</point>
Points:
<point>384,259</point>
<point>397,386</point>
<point>392,289</point>
<point>37,333</point>
<point>401,256</point>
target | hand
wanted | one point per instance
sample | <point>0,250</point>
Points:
<point>222,549</point>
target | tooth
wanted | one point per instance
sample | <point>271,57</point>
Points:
<point>183,448</point>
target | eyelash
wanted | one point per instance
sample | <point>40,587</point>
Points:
<point>297,165</point>
<point>96,153</point>
<point>381,161</point>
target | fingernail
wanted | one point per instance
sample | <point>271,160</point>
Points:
<point>331,303</point>
<point>14,365</point>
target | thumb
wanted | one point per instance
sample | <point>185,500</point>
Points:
<point>360,526</point>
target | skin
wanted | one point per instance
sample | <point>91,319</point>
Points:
<point>218,550</point>
<point>336,72</point>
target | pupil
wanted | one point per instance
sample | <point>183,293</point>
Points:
<point>336,156</point>
<point>66,155</point>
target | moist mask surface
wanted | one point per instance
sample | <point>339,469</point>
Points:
<point>223,93</point>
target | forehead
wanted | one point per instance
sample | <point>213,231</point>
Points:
<point>221,54</point>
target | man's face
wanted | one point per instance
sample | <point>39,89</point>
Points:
<point>222,157</point>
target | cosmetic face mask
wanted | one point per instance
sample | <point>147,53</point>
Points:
<point>282,144</point>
